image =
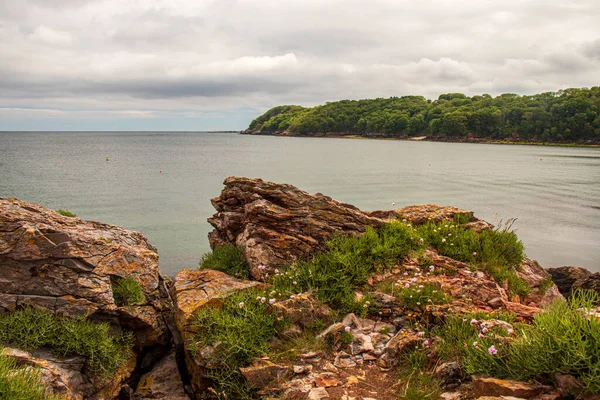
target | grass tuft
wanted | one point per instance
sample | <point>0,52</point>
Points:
<point>228,259</point>
<point>21,383</point>
<point>66,213</point>
<point>31,329</point>
<point>127,292</point>
<point>416,382</point>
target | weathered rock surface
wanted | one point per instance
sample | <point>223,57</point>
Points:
<point>277,223</point>
<point>193,290</point>
<point>163,382</point>
<point>263,372</point>
<point>67,265</point>
<point>499,387</point>
<point>570,278</point>
<point>67,376</point>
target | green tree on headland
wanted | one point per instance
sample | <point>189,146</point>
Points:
<point>569,115</point>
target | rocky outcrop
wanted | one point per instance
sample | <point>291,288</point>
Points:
<point>277,224</point>
<point>568,279</point>
<point>69,266</point>
<point>193,290</point>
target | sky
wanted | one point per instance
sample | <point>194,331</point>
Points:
<point>216,65</point>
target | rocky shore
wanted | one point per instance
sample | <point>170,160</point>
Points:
<point>76,269</point>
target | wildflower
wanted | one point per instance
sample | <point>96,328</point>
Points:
<point>480,335</point>
<point>431,268</point>
<point>509,331</point>
<point>295,283</point>
<point>419,334</point>
<point>409,225</point>
<point>429,273</point>
<point>393,204</point>
<point>367,302</point>
<point>407,285</point>
<point>418,303</point>
<point>272,293</point>
<point>411,296</point>
<point>405,274</point>
<point>451,226</point>
<point>421,286</point>
<point>404,220</point>
<point>475,254</point>
<point>449,234</point>
<point>271,301</point>
<point>414,279</point>
<point>464,320</point>
<point>426,342</point>
<point>475,344</point>
<point>443,240</point>
<point>419,291</point>
<point>451,244</point>
<point>421,240</point>
<point>445,226</point>
<point>492,350</point>
<point>429,300</point>
<point>276,271</point>
<point>474,321</point>
<point>241,305</point>
<point>365,305</point>
<point>484,330</point>
<point>435,291</point>
<point>261,267</point>
<point>258,298</point>
<point>263,299</point>
<point>347,329</point>
<point>292,296</point>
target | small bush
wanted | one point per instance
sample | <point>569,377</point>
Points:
<point>335,275</point>
<point>32,329</point>
<point>560,339</point>
<point>21,383</point>
<point>498,251</point>
<point>127,292</point>
<point>228,259</point>
<point>239,329</point>
<point>66,213</point>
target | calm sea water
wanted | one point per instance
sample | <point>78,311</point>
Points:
<point>554,192</point>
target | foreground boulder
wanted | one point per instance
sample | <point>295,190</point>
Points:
<point>69,266</point>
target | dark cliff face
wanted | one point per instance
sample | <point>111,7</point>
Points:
<point>570,278</point>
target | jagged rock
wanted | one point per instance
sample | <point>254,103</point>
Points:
<point>303,310</point>
<point>193,290</point>
<point>450,374</point>
<point>262,373</point>
<point>67,376</point>
<point>278,223</point>
<point>451,396</point>
<point>568,384</point>
<point>162,382</point>
<point>536,276</point>
<point>68,265</point>
<point>402,342</point>
<point>318,394</point>
<point>499,387</point>
<point>327,380</point>
<point>570,278</point>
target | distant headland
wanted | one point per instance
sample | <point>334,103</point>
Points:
<point>566,117</point>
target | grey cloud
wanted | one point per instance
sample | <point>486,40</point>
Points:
<point>184,54</point>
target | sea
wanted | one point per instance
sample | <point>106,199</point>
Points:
<point>161,183</point>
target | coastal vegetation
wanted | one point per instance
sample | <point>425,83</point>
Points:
<point>20,382</point>
<point>66,213</point>
<point>228,258</point>
<point>30,329</point>
<point>127,291</point>
<point>569,115</point>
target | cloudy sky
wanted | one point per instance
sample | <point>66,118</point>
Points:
<point>216,64</point>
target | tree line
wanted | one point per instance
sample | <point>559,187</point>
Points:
<point>569,115</point>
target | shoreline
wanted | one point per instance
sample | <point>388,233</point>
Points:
<point>430,139</point>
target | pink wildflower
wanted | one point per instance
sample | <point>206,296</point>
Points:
<point>347,329</point>
<point>492,350</point>
<point>420,334</point>
<point>426,342</point>
<point>474,321</point>
<point>407,285</point>
<point>271,301</point>
<point>475,344</point>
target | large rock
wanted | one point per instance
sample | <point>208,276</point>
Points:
<point>162,382</point>
<point>192,290</point>
<point>277,223</point>
<point>570,278</point>
<point>69,265</point>
<point>483,386</point>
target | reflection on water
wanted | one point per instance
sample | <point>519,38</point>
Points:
<point>553,191</point>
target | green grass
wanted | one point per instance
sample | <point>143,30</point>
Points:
<point>500,252</point>
<point>560,339</point>
<point>239,329</point>
<point>228,259</point>
<point>419,297</point>
<point>66,213</point>
<point>21,383</point>
<point>416,382</point>
<point>334,275</point>
<point>127,292</point>
<point>31,329</point>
